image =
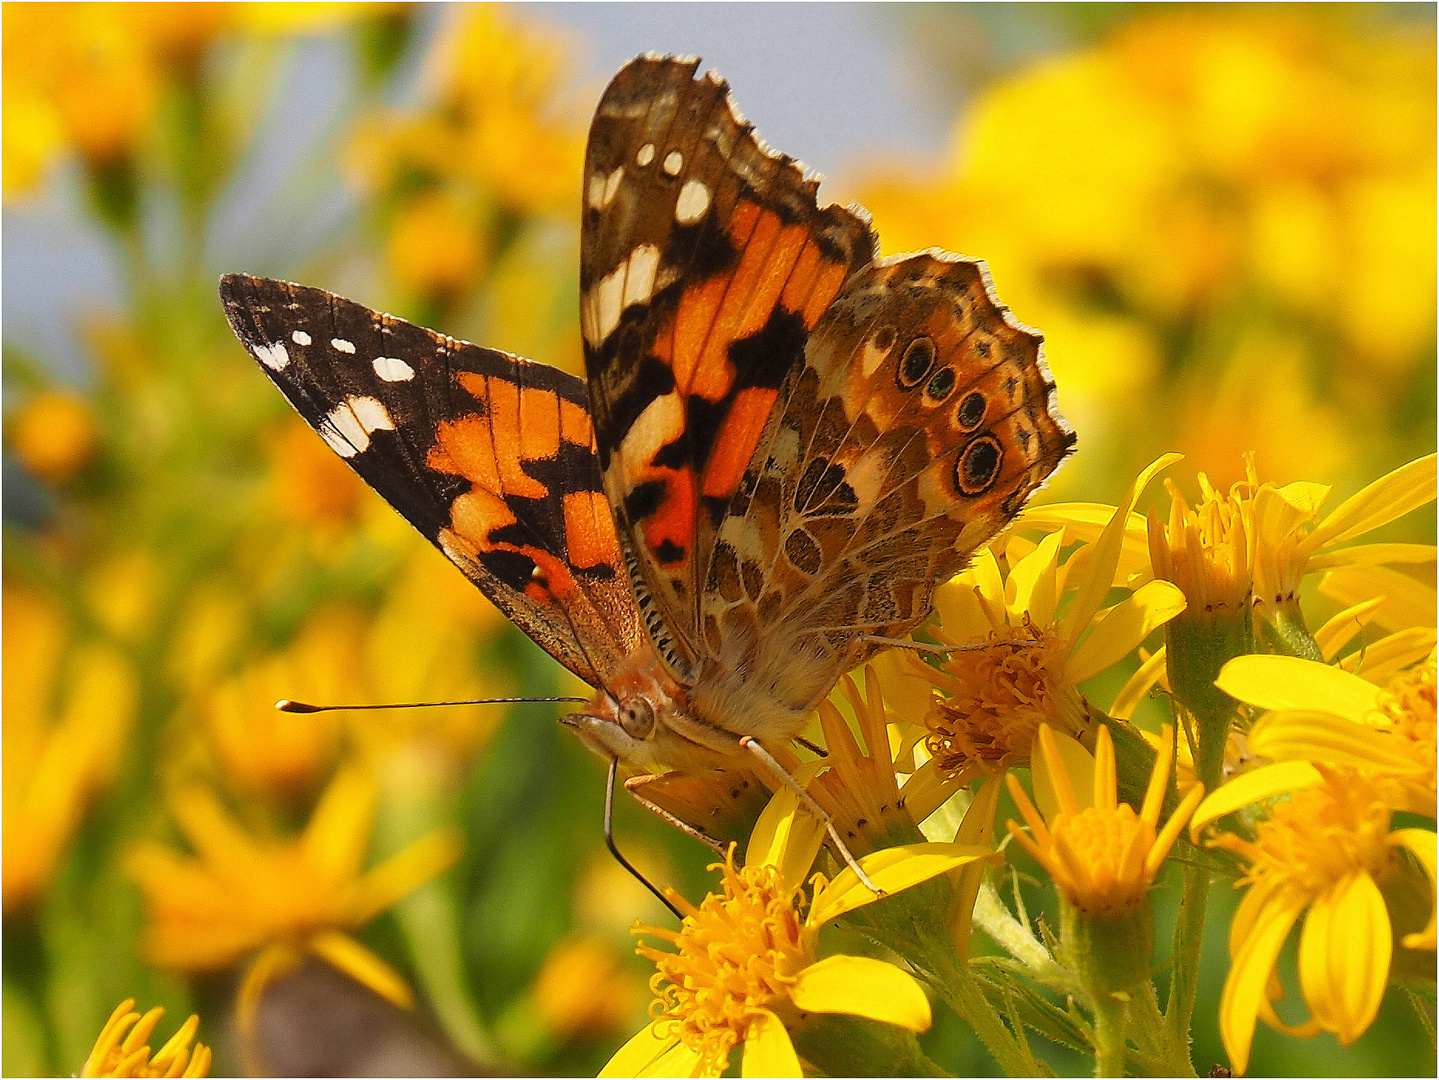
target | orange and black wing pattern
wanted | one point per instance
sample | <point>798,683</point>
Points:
<point>490,456</point>
<point>705,266</point>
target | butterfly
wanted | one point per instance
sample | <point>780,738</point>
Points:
<point>782,444</point>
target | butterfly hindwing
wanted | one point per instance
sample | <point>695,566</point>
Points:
<point>490,456</point>
<point>705,266</point>
<point>922,420</point>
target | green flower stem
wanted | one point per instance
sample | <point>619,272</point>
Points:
<point>1166,1051</point>
<point>1188,943</point>
<point>1111,1020</point>
<point>960,989</point>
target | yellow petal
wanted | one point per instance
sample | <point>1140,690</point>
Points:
<point>1289,682</point>
<point>1251,787</point>
<point>787,835</point>
<point>892,870</point>
<point>1299,735</point>
<point>1138,685</point>
<point>1340,630</point>
<point>338,833</point>
<point>1381,661</point>
<point>1344,954</point>
<point>404,872</point>
<point>1107,550</point>
<point>1421,844</point>
<point>646,1054</point>
<point>1074,767</point>
<point>271,963</point>
<point>1391,496</point>
<point>1407,601</point>
<point>1376,554</point>
<point>767,1049</point>
<point>861,986</point>
<point>1124,627</point>
<point>348,955</point>
<point>1032,585</point>
<point>1249,975</point>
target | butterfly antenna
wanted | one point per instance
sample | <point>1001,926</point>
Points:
<point>289,705</point>
<point>615,851</point>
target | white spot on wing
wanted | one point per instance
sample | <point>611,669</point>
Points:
<point>640,282</point>
<point>275,357</point>
<point>602,189</point>
<point>341,345</point>
<point>632,282</point>
<point>694,200</point>
<point>393,369</point>
<point>646,154</point>
<point>347,427</point>
<point>674,162</point>
<point>299,337</point>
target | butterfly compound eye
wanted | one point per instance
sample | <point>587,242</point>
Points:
<point>637,717</point>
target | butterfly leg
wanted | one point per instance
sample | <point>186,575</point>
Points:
<point>916,646</point>
<point>778,771</point>
<point>615,851</point>
<point>670,819</point>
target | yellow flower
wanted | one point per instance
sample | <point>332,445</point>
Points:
<point>1324,850</point>
<point>1020,662</point>
<point>1290,539</point>
<point>858,787</point>
<point>283,897</point>
<point>309,483</point>
<point>66,717</point>
<point>54,435</point>
<point>489,129</point>
<point>1205,551</point>
<point>435,245</point>
<point>583,989</point>
<point>1323,714</point>
<point>121,1051</point>
<point>745,966</point>
<point>1100,853</point>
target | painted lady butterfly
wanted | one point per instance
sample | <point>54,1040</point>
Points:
<point>784,444</point>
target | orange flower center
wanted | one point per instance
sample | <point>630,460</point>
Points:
<point>1408,704</point>
<point>1094,858</point>
<point>996,697</point>
<point>1320,835</point>
<point>738,952</point>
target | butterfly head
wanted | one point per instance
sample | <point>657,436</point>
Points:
<point>639,717</point>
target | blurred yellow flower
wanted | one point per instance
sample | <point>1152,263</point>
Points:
<point>583,989</point>
<point>121,1049</point>
<point>1239,201</point>
<point>281,754</point>
<point>309,483</point>
<point>488,133</point>
<point>279,899</point>
<point>434,246</point>
<point>66,718</point>
<point>54,434</point>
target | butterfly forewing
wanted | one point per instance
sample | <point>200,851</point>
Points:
<point>705,265</point>
<point>490,456</point>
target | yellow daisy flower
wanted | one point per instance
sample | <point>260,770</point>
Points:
<point>1100,853</point>
<point>745,964</point>
<point>279,899</point>
<point>1290,539</point>
<point>1321,850</point>
<point>1324,714</point>
<point>121,1049</point>
<point>1019,662</point>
